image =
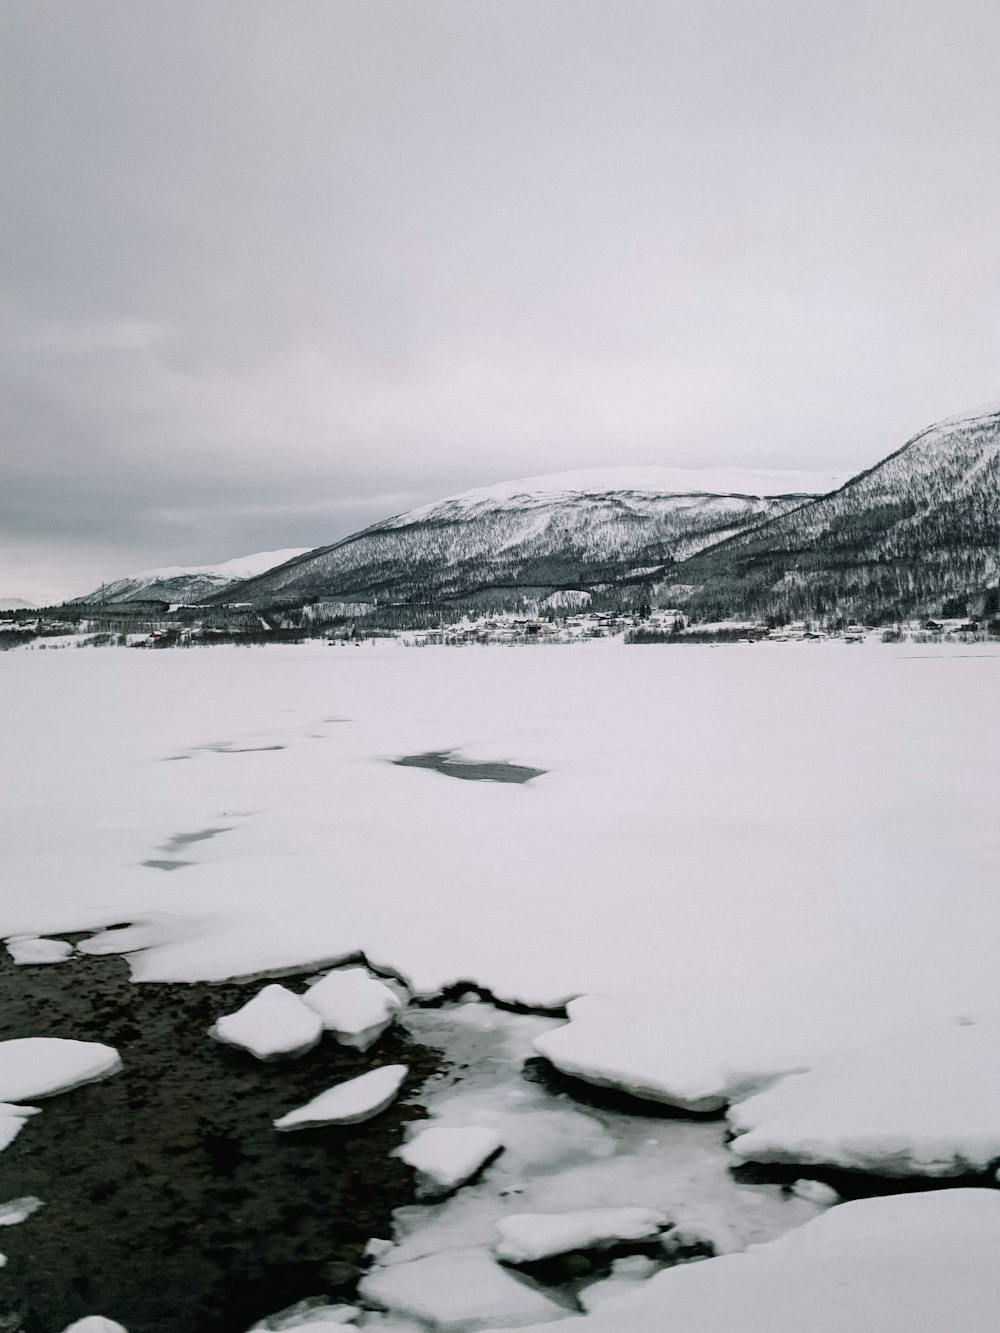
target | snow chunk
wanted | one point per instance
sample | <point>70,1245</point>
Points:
<point>274,1024</point>
<point>353,1005</point>
<point>459,1291</point>
<point>909,1263</point>
<point>528,1237</point>
<point>626,1273</point>
<point>42,1066</point>
<point>25,949</point>
<point>12,1120</point>
<point>920,1105</point>
<point>18,1210</point>
<point>95,1323</point>
<point>619,1044</point>
<point>445,1157</point>
<point>348,1103</point>
<point>814,1191</point>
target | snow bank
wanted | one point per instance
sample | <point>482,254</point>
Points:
<point>913,1263</point>
<point>25,949</point>
<point>348,1103</point>
<point>276,1023</point>
<point>459,1291</point>
<point>33,1067</point>
<point>353,1005</point>
<point>924,1104</point>
<point>445,1157</point>
<point>527,1237</point>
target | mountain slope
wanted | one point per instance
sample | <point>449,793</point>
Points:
<point>918,532</point>
<point>189,584</point>
<point>529,538</point>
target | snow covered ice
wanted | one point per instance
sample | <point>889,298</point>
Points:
<point>32,1067</point>
<point>460,1291</point>
<point>276,1023</point>
<point>921,1104</point>
<point>95,1323</point>
<point>911,1263</point>
<point>525,1238</point>
<point>446,1157</point>
<point>27,949</point>
<point>353,1005</point>
<point>348,1103</point>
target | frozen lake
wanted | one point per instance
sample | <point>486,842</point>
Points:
<point>734,861</point>
<point>787,847</point>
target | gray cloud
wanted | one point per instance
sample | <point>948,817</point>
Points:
<point>273,271</point>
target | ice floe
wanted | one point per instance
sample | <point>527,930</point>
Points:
<point>911,1263</point>
<point>275,1024</point>
<point>459,1291</point>
<point>626,1273</point>
<point>923,1104</point>
<point>445,1157</point>
<point>16,1211</point>
<point>525,1238</point>
<point>95,1323</point>
<point>348,1103</point>
<point>25,949</point>
<point>12,1120</point>
<point>353,1005</point>
<point>32,1067</point>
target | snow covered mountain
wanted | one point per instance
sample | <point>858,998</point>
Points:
<point>499,545</point>
<point>189,584</point>
<point>918,533</point>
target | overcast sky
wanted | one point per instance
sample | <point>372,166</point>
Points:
<point>276,270</point>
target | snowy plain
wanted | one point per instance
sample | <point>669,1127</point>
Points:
<point>746,861</point>
<point>774,852</point>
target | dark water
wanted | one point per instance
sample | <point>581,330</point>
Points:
<point>442,761</point>
<point>171,1204</point>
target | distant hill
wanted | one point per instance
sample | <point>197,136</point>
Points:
<point>918,533</point>
<point>188,584</point>
<point>536,538</point>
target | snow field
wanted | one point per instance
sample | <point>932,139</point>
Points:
<point>27,949</point>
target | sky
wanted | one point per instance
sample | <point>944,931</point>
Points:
<point>273,271</point>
